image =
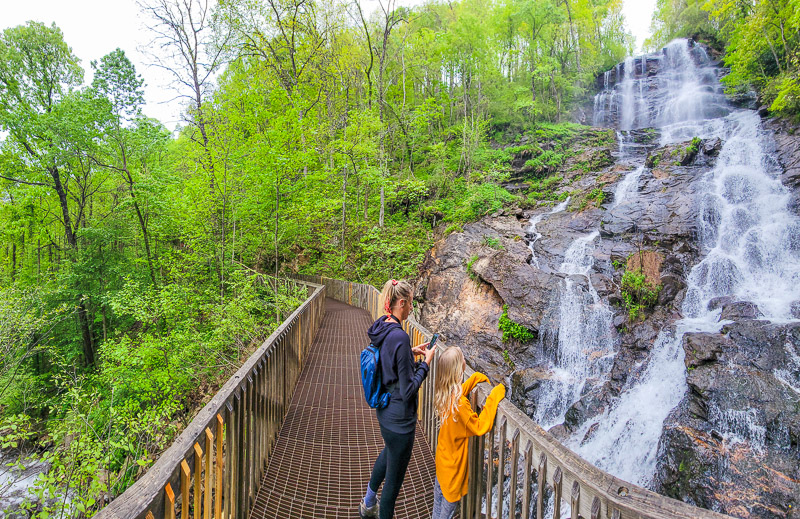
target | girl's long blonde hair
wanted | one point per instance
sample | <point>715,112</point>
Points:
<point>449,376</point>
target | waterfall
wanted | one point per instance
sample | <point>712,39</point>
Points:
<point>627,186</point>
<point>537,235</point>
<point>750,251</point>
<point>583,346</point>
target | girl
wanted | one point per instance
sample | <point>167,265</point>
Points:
<point>402,377</point>
<point>457,423</point>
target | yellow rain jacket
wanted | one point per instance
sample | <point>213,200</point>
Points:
<point>451,451</point>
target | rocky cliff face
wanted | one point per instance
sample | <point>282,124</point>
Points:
<point>730,440</point>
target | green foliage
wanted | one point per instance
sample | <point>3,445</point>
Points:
<point>638,294</point>
<point>512,330</point>
<point>693,147</point>
<point>492,242</point>
<point>760,41</point>
<point>507,359</point>
<point>471,273</point>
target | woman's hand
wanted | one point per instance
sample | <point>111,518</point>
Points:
<point>429,353</point>
<point>420,350</point>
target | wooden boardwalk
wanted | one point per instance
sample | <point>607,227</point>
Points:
<point>330,437</point>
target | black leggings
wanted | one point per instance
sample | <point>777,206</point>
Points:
<point>390,468</point>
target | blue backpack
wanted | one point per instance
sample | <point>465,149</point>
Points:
<point>374,392</point>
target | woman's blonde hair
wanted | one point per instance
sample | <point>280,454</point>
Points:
<point>394,291</point>
<point>449,375</point>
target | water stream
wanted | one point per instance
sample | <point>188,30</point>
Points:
<point>583,346</point>
<point>537,235</point>
<point>748,240</point>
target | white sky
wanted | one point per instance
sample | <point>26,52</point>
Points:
<point>93,28</point>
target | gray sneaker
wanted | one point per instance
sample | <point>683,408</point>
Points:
<point>365,512</point>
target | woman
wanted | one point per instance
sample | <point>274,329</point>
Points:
<point>402,378</point>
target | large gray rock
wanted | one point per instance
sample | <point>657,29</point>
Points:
<point>733,443</point>
<point>787,154</point>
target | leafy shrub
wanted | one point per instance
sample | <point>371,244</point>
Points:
<point>512,330</point>
<point>637,293</point>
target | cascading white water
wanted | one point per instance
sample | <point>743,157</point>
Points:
<point>627,186</point>
<point>585,347</point>
<point>536,235</point>
<point>751,252</point>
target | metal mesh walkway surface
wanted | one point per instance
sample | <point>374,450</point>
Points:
<point>330,437</point>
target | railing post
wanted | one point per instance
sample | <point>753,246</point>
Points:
<point>198,491</point>
<point>557,493</point>
<point>512,488</point>
<point>541,479</point>
<point>185,476</point>
<point>575,500</point>
<point>526,481</point>
<point>230,435</point>
<point>169,502</point>
<point>489,466</point>
<point>501,466</point>
<point>595,513</point>
<point>218,498</point>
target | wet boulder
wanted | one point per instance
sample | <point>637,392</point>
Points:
<point>739,310</point>
<point>733,442</point>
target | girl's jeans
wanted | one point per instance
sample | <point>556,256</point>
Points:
<point>442,508</point>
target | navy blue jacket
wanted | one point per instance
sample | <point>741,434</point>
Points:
<point>399,370</point>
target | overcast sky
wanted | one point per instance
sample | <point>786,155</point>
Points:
<point>93,28</point>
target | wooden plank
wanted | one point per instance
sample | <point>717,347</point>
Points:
<point>575,499</point>
<point>501,466</point>
<point>526,481</point>
<point>541,479</point>
<point>150,515</point>
<point>489,470</point>
<point>209,470</point>
<point>512,503</point>
<point>230,434</point>
<point>479,451</point>
<point>169,502</point>
<point>239,476</point>
<point>218,497</point>
<point>236,450</point>
<point>248,444</point>
<point>185,486</point>
<point>557,487</point>
<point>595,514</point>
<point>198,473</point>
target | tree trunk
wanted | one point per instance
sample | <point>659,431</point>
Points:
<point>380,218</point>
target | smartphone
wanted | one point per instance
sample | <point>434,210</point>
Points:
<point>433,340</point>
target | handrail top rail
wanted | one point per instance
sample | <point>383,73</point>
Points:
<point>131,504</point>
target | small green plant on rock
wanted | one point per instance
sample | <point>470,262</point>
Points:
<point>637,293</point>
<point>471,273</point>
<point>512,330</point>
<point>694,146</point>
<point>507,359</point>
<point>492,242</point>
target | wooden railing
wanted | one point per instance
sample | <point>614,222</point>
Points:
<point>214,468</point>
<point>538,466</point>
